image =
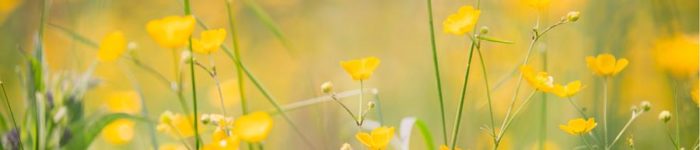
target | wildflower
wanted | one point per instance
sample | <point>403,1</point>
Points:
<point>646,106</point>
<point>445,147</point>
<point>171,147</point>
<point>327,87</point>
<point>209,41</point>
<point>678,55</point>
<point>461,22</point>
<point>111,47</point>
<point>124,102</point>
<point>539,80</point>
<point>119,132</point>
<point>228,143</point>
<point>665,116</point>
<point>253,127</point>
<point>606,65</point>
<point>176,125</point>
<point>378,139</point>
<point>538,4</point>
<point>171,31</point>
<point>360,69</point>
<point>579,126</point>
<point>567,91</point>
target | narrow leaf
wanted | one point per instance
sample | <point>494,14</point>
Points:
<point>491,39</point>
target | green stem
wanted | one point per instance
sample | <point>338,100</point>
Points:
<point>425,132</point>
<point>605,112</point>
<point>634,117</point>
<point>580,111</point>
<point>455,131</point>
<point>670,137</point>
<point>437,70</point>
<point>12,114</point>
<point>357,122</point>
<point>678,121</point>
<point>515,114</point>
<point>362,95</point>
<point>194,83</point>
<point>236,49</point>
<point>488,92</point>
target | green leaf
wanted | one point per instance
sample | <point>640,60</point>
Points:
<point>84,132</point>
<point>490,39</point>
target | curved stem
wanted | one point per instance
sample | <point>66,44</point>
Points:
<point>437,70</point>
<point>634,117</point>
<point>425,132</point>
<point>580,111</point>
<point>488,91</point>
<point>455,131</point>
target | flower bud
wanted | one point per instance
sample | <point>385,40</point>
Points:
<point>646,106</point>
<point>484,30</point>
<point>665,116</point>
<point>573,16</point>
<point>327,87</point>
<point>371,104</point>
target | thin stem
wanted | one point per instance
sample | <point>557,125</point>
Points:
<point>670,137</point>
<point>605,111</point>
<point>577,107</point>
<point>346,109</point>
<point>675,104</point>
<point>239,72</point>
<point>517,111</point>
<point>213,75</point>
<point>634,117</point>
<point>455,131</point>
<point>488,91</point>
<point>437,71</point>
<point>194,83</point>
<point>12,115</point>
<point>362,89</point>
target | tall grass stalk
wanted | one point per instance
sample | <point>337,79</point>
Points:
<point>12,115</point>
<point>488,90</point>
<point>236,52</point>
<point>458,117</point>
<point>188,11</point>
<point>436,66</point>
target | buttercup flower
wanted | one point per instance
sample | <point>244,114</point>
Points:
<point>378,139</point>
<point>228,143</point>
<point>119,132</point>
<point>124,102</point>
<point>111,47</point>
<point>253,127</point>
<point>678,55</point>
<point>606,65</point>
<point>177,125</point>
<point>538,4</point>
<point>461,22</point>
<point>539,80</point>
<point>360,69</point>
<point>209,41</point>
<point>579,126</point>
<point>171,31</point>
<point>444,147</point>
<point>567,91</point>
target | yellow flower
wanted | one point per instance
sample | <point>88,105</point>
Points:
<point>177,125</point>
<point>461,22</point>
<point>605,65</point>
<point>171,31</point>
<point>378,139</point>
<point>360,69</point>
<point>678,55</point>
<point>253,127</point>
<point>119,131</point>
<point>567,91</point>
<point>539,80</point>
<point>209,41</point>
<point>579,126</point>
<point>111,47</point>
<point>228,143</point>
<point>171,147</point>
<point>124,102</point>
<point>444,147</point>
<point>538,4</point>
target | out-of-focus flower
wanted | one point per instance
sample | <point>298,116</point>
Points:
<point>253,127</point>
<point>112,46</point>
<point>378,139</point>
<point>539,80</point>
<point>360,69</point>
<point>7,7</point>
<point>444,147</point>
<point>124,102</point>
<point>171,31</point>
<point>567,91</point>
<point>579,126</point>
<point>171,147</point>
<point>177,125</point>
<point>678,55</point>
<point>119,132</point>
<point>665,116</point>
<point>228,143</point>
<point>538,4</point>
<point>606,65</point>
<point>209,41</point>
<point>230,93</point>
<point>461,22</point>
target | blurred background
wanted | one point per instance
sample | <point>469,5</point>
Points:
<point>321,33</point>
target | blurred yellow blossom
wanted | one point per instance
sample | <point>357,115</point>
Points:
<point>209,41</point>
<point>176,125</point>
<point>229,89</point>
<point>567,91</point>
<point>606,65</point>
<point>171,147</point>
<point>253,127</point>
<point>228,143</point>
<point>124,102</point>
<point>579,126</point>
<point>538,4</point>
<point>679,55</point>
<point>360,69</point>
<point>444,147</point>
<point>539,80</point>
<point>7,7</point>
<point>461,22</point>
<point>171,31</point>
<point>112,46</point>
<point>119,131</point>
<point>378,139</point>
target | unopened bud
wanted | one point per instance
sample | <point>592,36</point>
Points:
<point>371,104</point>
<point>573,16</point>
<point>646,106</point>
<point>327,87</point>
<point>186,57</point>
<point>484,30</point>
<point>665,116</point>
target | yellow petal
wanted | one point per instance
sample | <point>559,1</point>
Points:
<point>172,31</point>
<point>461,22</point>
<point>111,47</point>
<point>360,69</point>
<point>365,139</point>
<point>606,64</point>
<point>124,102</point>
<point>382,136</point>
<point>119,132</point>
<point>621,64</point>
<point>253,127</point>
